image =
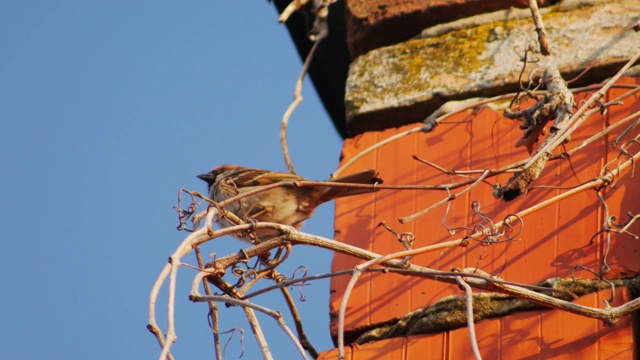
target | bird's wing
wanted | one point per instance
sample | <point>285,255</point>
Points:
<point>256,177</point>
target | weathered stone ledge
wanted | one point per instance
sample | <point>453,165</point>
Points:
<point>480,56</point>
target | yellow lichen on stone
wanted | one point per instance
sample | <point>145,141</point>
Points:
<point>417,67</point>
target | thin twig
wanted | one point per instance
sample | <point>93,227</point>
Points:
<point>171,336</point>
<point>377,145</point>
<point>624,133</point>
<point>293,6</point>
<point>289,282</point>
<point>470,325</point>
<point>599,135</point>
<point>297,99</point>
<point>304,340</point>
<point>405,219</point>
<point>542,35</point>
<point>255,327</point>
<point>343,308</point>
<point>213,308</point>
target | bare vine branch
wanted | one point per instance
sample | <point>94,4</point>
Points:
<point>320,32</point>
<point>470,324</point>
<point>542,35</point>
<point>557,105</point>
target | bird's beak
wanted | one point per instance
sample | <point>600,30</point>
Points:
<point>208,177</point>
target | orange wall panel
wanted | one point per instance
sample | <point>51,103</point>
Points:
<point>553,241</point>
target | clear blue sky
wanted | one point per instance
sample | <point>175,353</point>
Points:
<point>107,109</point>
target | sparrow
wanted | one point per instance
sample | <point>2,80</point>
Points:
<point>286,205</point>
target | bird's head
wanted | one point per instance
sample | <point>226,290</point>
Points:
<point>211,177</point>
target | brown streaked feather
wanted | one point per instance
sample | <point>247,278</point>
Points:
<point>271,177</point>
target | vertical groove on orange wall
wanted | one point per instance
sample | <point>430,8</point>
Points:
<point>369,279</point>
<point>413,280</point>
<point>445,346</point>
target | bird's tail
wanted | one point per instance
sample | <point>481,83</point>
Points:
<point>362,177</point>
